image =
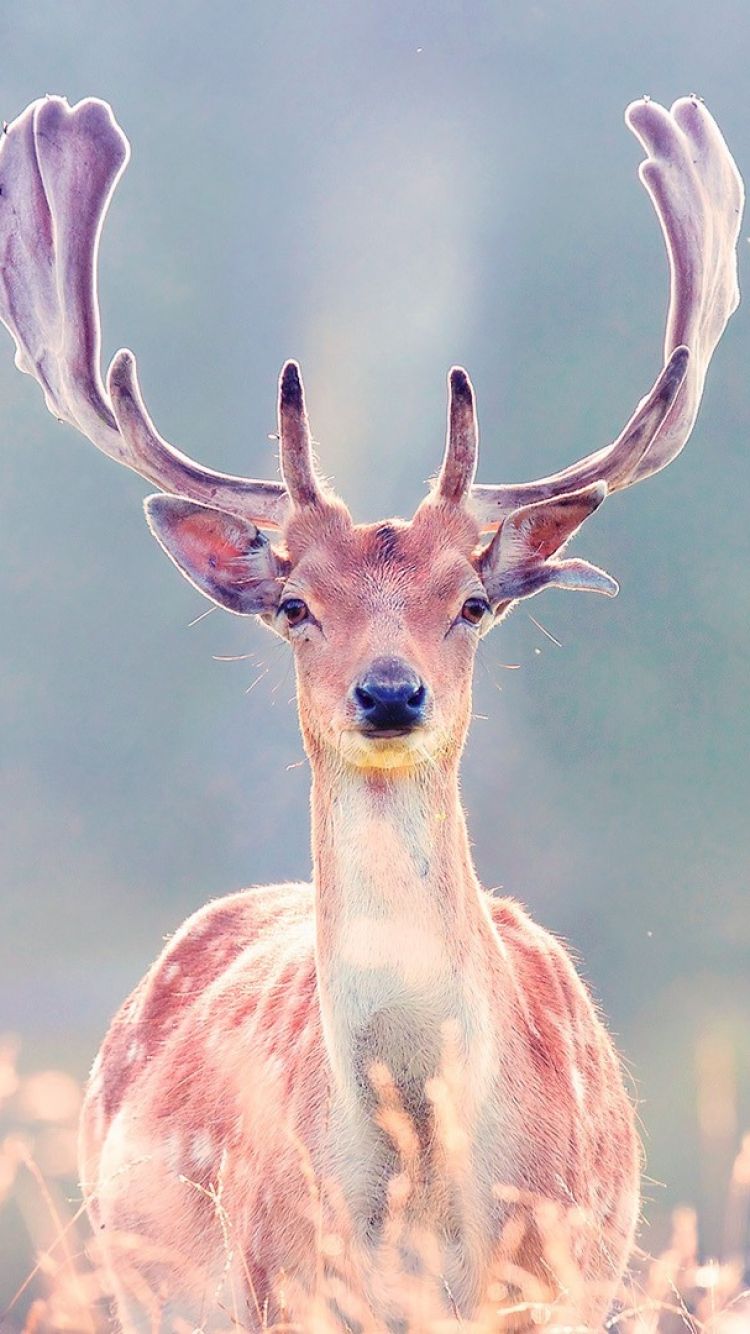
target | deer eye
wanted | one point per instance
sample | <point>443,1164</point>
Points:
<point>295,611</point>
<point>474,610</point>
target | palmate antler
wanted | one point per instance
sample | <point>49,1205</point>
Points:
<point>698,195</point>
<point>58,170</point>
<point>59,166</point>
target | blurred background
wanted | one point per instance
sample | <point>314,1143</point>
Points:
<point>383,189</point>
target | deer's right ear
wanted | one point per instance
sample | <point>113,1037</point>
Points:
<point>224,557</point>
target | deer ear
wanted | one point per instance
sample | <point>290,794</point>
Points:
<point>226,558</point>
<point>519,560</point>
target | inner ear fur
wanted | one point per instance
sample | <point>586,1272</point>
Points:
<point>519,560</point>
<point>226,558</point>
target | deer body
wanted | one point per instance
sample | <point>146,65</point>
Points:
<point>396,966</point>
<point>289,1013</point>
<point>385,1099</point>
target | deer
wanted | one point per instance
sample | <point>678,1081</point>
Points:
<point>377,1100</point>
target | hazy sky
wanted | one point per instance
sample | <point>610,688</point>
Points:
<point>382,190</point>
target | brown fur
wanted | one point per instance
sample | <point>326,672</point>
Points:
<point>292,1042</point>
<point>392,1059</point>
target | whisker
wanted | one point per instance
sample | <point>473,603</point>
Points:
<point>425,754</point>
<point>508,666</point>
<point>539,626</point>
<point>258,678</point>
<point>202,617</point>
<point>283,678</point>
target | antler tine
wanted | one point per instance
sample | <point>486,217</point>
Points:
<point>59,166</point>
<point>460,460</point>
<point>698,195</point>
<point>265,503</point>
<point>297,464</point>
<point>613,464</point>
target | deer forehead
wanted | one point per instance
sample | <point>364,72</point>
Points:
<point>385,565</point>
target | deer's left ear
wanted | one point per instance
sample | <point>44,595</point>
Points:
<point>520,559</point>
<point>224,557</point>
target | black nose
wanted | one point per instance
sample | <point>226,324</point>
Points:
<point>390,696</point>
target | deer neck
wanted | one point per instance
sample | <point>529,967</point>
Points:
<point>403,936</point>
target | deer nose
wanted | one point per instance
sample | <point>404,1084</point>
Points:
<point>390,696</point>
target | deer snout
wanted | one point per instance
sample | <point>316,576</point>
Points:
<point>390,697</point>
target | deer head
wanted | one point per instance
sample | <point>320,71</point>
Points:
<point>383,619</point>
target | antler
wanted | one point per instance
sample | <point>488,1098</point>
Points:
<point>59,166</point>
<point>58,170</point>
<point>297,463</point>
<point>459,465</point>
<point>698,195</point>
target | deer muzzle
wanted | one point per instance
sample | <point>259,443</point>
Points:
<point>390,699</point>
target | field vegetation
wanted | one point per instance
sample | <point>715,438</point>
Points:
<point>63,1284</point>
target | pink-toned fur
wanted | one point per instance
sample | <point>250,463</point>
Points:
<point>318,1095</point>
<point>248,1055</point>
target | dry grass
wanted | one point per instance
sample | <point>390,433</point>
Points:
<point>65,1287</point>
